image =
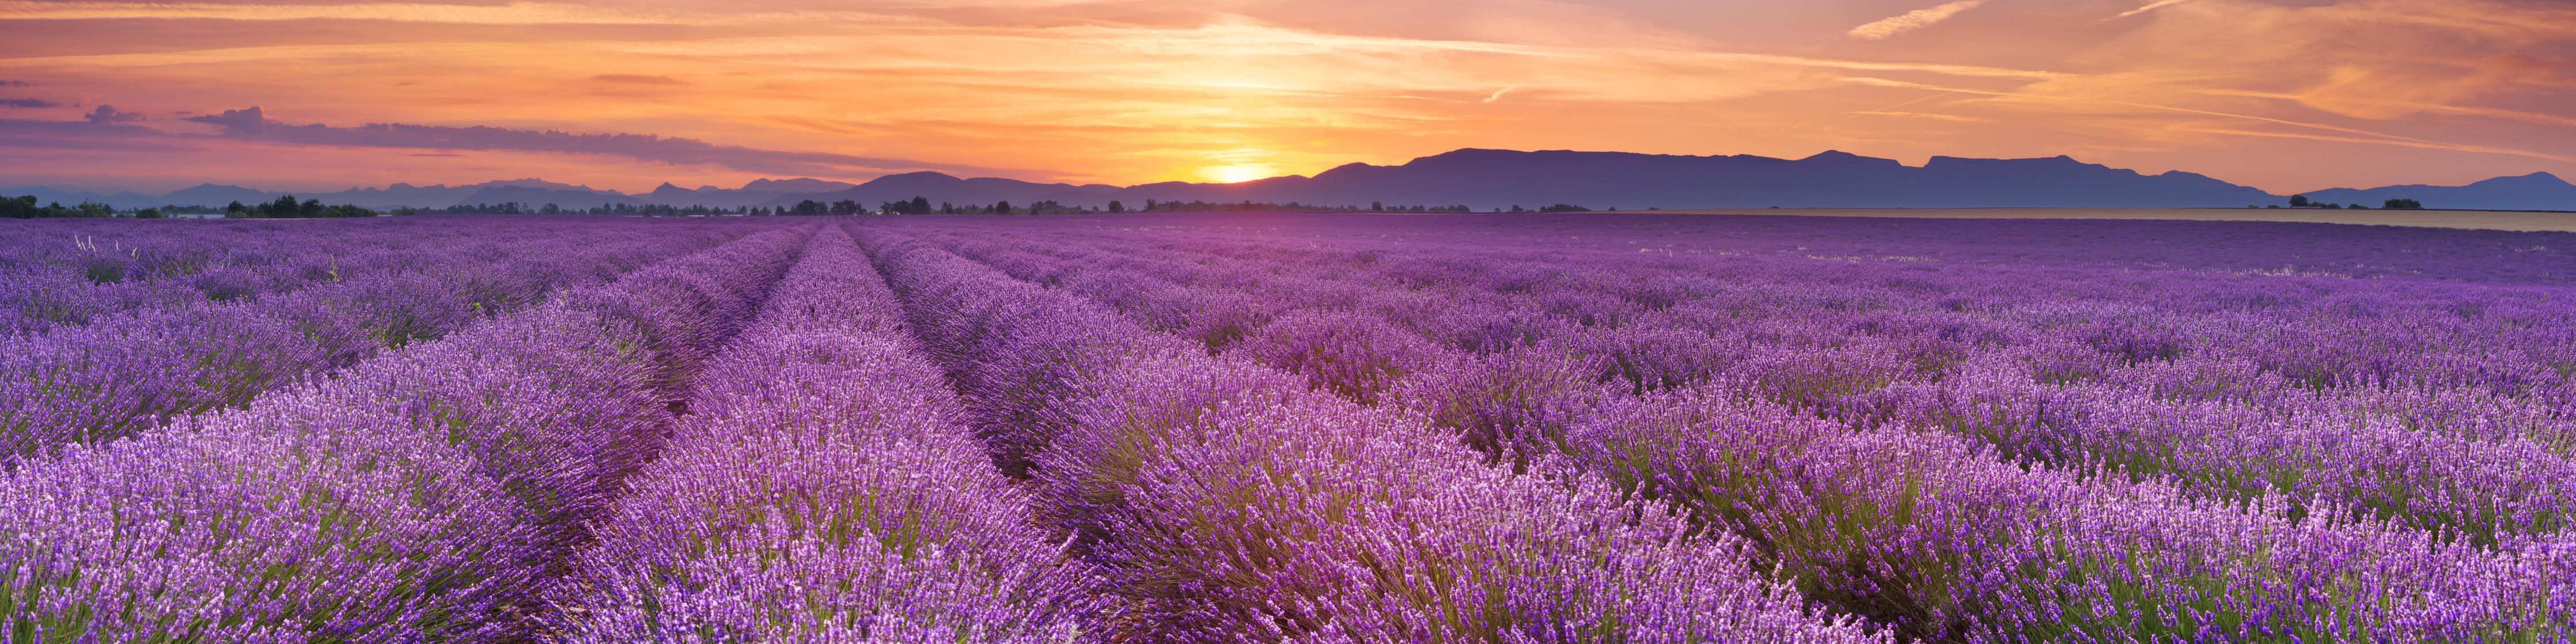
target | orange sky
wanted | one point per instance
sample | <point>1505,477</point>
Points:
<point>2285,95</point>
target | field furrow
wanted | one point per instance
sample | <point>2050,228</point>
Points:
<point>822,488</point>
<point>1221,501</point>
<point>119,376</point>
<point>1919,531</point>
<point>2461,459</point>
<point>72,273</point>
<point>428,494</point>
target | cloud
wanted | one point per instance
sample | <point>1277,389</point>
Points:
<point>638,79</point>
<point>1927,115</point>
<point>235,122</point>
<point>254,124</point>
<point>1912,20</point>
<point>2158,4</point>
<point>16,83</point>
<point>515,13</point>
<point>28,103</point>
<point>106,115</point>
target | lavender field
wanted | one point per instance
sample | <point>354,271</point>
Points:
<point>1271,427</point>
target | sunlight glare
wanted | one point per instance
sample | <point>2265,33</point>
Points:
<point>1236,173</point>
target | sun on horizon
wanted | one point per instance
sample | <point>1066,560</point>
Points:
<point>1238,173</point>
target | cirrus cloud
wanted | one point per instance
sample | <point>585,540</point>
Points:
<point>108,128</point>
<point>1912,20</point>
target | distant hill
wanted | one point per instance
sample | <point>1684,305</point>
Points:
<point>758,192</point>
<point>1488,179</point>
<point>1485,179</point>
<point>2535,191</point>
<point>939,187</point>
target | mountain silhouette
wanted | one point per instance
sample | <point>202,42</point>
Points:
<point>1483,180</point>
<point>1486,179</point>
<point>2535,191</point>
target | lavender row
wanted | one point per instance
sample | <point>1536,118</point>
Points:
<point>1221,501</point>
<point>72,273</point>
<point>118,376</point>
<point>2479,464</point>
<point>822,488</point>
<point>1915,530</point>
<point>426,495</point>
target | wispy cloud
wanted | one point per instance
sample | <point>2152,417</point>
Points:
<point>2395,141</point>
<point>26,103</point>
<point>254,124</point>
<point>2158,4</point>
<point>1912,20</point>
<point>1928,115</point>
<point>515,13</point>
<point>638,79</point>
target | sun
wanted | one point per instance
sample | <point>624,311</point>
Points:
<point>1236,173</point>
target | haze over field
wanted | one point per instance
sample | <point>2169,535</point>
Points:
<point>2280,96</point>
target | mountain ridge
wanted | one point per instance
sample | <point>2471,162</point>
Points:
<point>1484,179</point>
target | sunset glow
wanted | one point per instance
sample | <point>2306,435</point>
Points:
<point>1237,173</point>
<point>2275,94</point>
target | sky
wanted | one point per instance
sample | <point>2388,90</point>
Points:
<point>2284,95</point>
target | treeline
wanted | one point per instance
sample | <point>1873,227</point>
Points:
<point>24,207</point>
<point>287,207</point>
<point>2302,201</point>
<point>632,210</point>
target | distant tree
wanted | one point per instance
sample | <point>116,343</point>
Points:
<point>148,213</point>
<point>236,211</point>
<point>2402,204</point>
<point>284,206</point>
<point>2357,207</point>
<point>1565,207</point>
<point>550,209</point>
<point>1116,207</point>
<point>405,211</point>
<point>1001,207</point>
<point>2299,201</point>
<point>21,207</point>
